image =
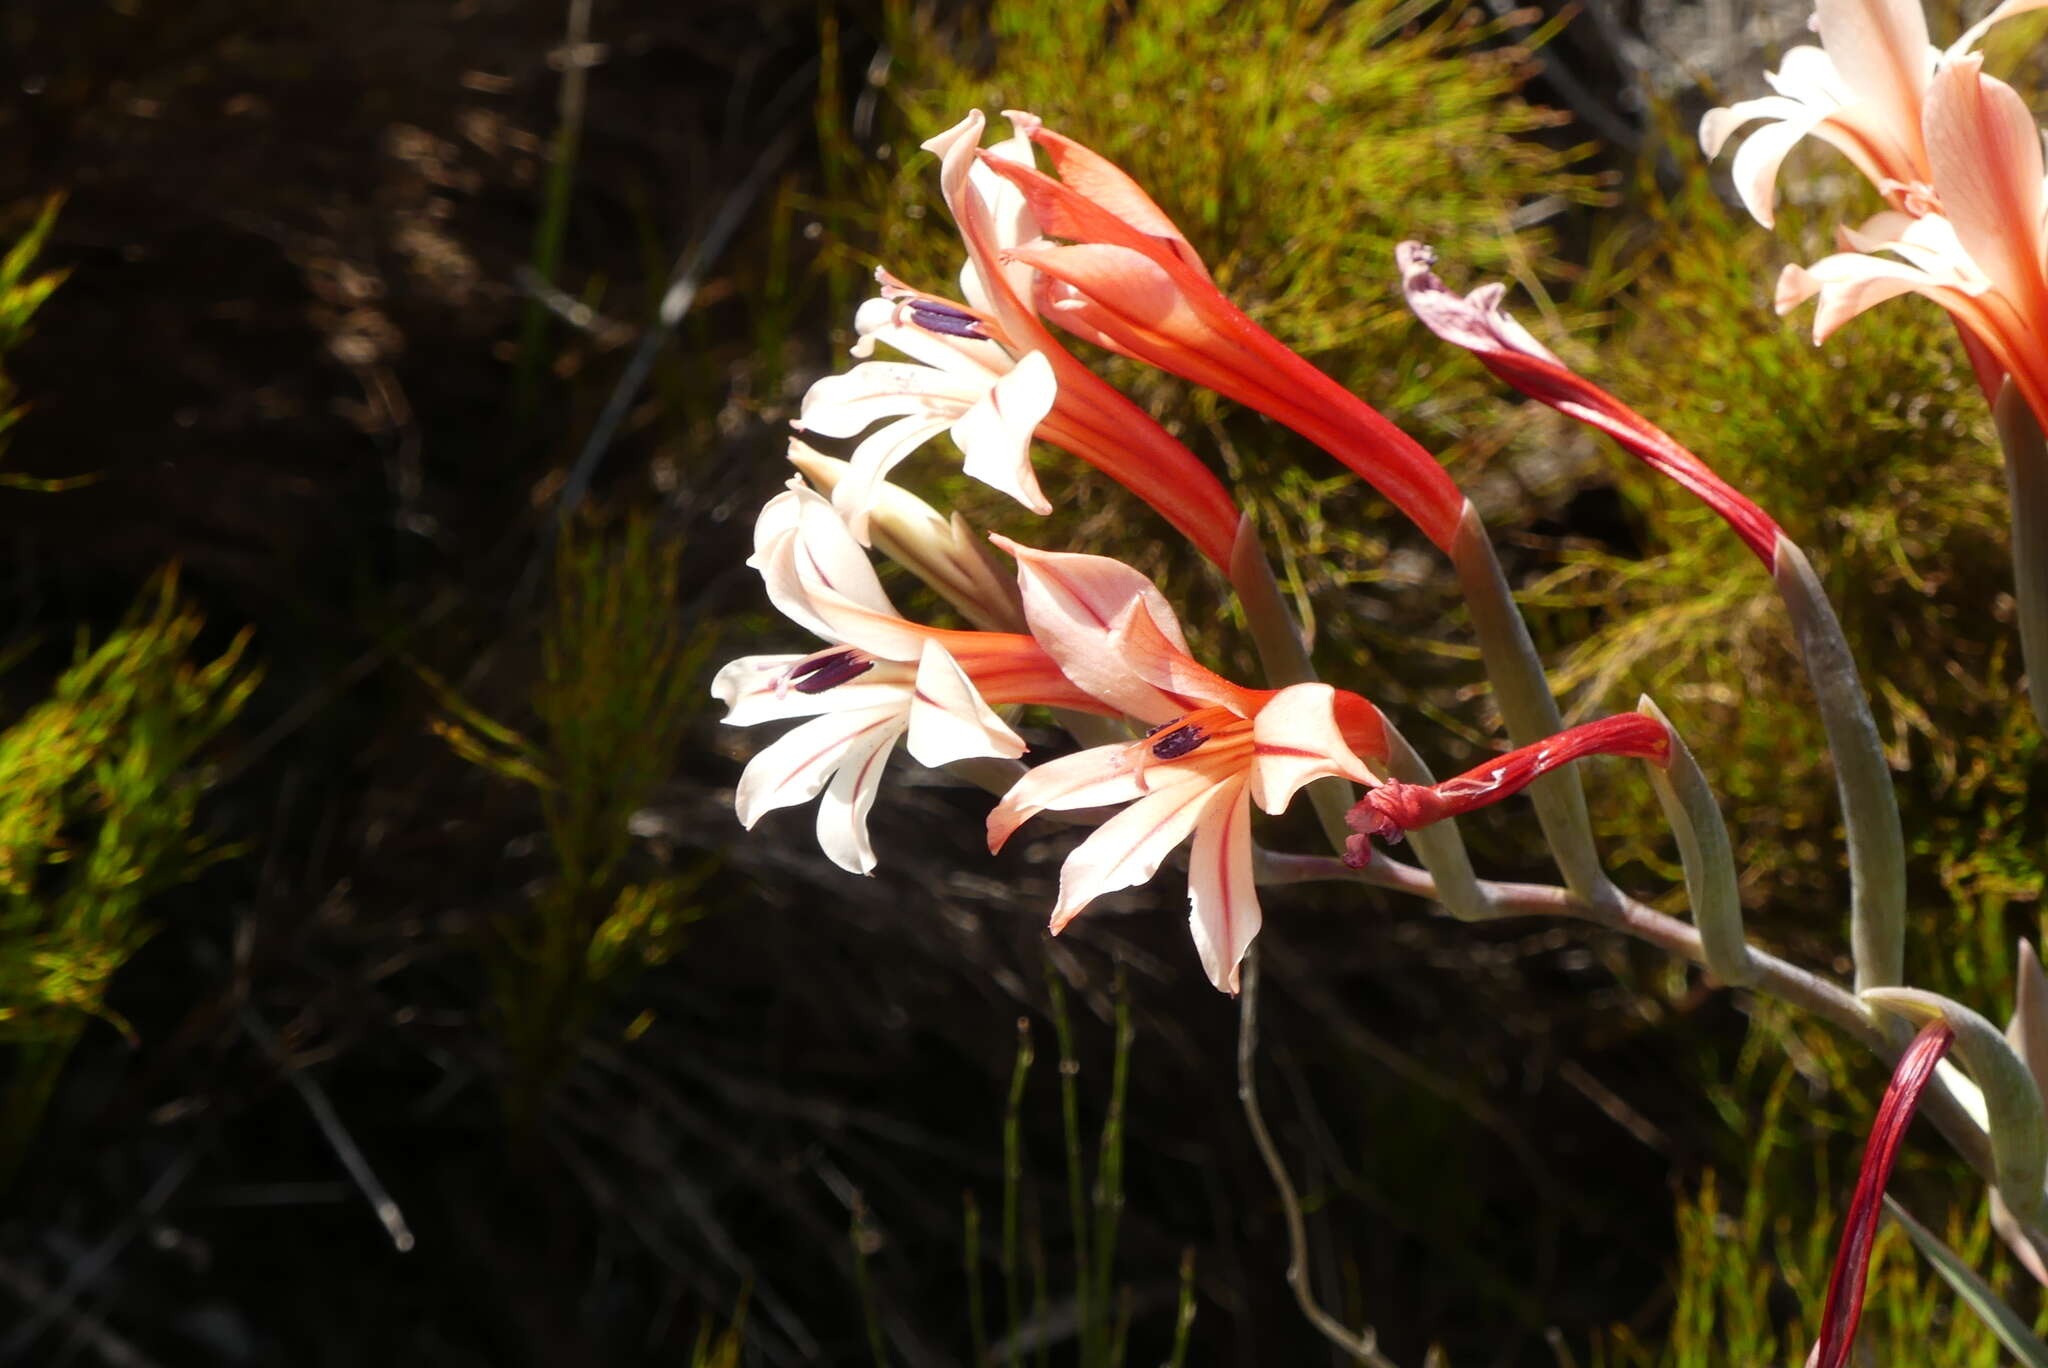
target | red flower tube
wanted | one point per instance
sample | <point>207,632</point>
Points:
<point>1128,280</point>
<point>1477,323</point>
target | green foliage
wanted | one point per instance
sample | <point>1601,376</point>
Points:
<point>1752,1272</point>
<point>617,688</point>
<point>21,294</point>
<point>1098,1312</point>
<point>96,810</point>
<point>97,804</point>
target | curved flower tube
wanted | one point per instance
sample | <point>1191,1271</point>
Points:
<point>1478,323</point>
<point>994,376</point>
<point>1844,1308</point>
<point>1214,748</point>
<point>1128,280</point>
<point>882,679</point>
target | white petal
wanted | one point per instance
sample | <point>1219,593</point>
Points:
<point>1128,849</point>
<point>995,435</point>
<point>1101,776</point>
<point>877,455</point>
<point>755,689</point>
<point>1223,896</point>
<point>1808,75</point>
<point>842,405</point>
<point>794,769</point>
<point>1296,739</point>
<point>880,320</point>
<point>1757,162</point>
<point>948,719</point>
<point>1718,125</point>
<point>843,815</point>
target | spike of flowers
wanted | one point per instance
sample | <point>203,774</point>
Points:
<point>1393,809</point>
<point>989,372</point>
<point>1478,323</point>
<point>882,679</point>
<point>1844,1307</point>
<point>1214,748</point>
<point>1128,279</point>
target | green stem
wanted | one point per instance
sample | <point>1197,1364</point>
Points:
<point>1709,859</point>
<point>1527,706</point>
<point>1870,809</point>
<point>2026,480</point>
<point>1283,655</point>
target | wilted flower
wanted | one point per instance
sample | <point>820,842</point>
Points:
<point>1393,809</point>
<point>1213,748</point>
<point>1477,323</point>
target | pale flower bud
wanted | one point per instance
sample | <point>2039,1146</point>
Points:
<point>945,553</point>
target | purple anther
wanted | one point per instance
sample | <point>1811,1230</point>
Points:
<point>933,316</point>
<point>1178,742</point>
<point>822,672</point>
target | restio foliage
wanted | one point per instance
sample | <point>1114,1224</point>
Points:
<point>620,680</point>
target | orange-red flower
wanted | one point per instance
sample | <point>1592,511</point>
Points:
<point>1129,280</point>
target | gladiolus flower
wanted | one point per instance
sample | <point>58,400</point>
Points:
<point>1477,323</point>
<point>1844,1307</point>
<point>881,679</point>
<point>1977,248</point>
<point>992,374</point>
<point>1213,748</point>
<point>1861,91</point>
<point>1394,808</point>
<point>1129,280</point>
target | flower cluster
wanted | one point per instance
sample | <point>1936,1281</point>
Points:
<point>1195,752</point>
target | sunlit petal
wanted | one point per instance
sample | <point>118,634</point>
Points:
<point>1223,896</point>
<point>948,719</point>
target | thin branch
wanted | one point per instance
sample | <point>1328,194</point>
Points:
<point>1364,1345</point>
<point>338,1138</point>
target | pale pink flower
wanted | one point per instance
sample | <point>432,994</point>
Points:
<point>985,369</point>
<point>1861,91</point>
<point>1213,749</point>
<point>1979,247</point>
<point>882,680</point>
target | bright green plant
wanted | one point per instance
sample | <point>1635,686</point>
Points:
<point>98,800</point>
<point>618,685</point>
